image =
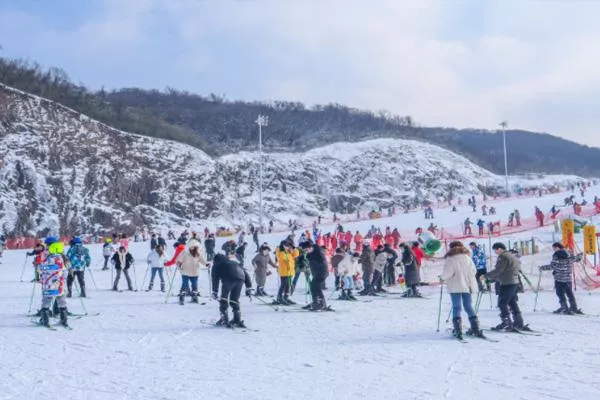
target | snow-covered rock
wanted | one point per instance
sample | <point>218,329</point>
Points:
<point>61,171</point>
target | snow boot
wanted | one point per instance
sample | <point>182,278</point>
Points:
<point>237,320</point>
<point>505,324</point>
<point>224,321</point>
<point>518,322</point>
<point>194,297</point>
<point>561,310</point>
<point>150,287</point>
<point>45,317</point>
<point>575,310</point>
<point>351,296</point>
<point>63,317</point>
<point>258,292</point>
<point>69,292</point>
<point>343,295</point>
<point>263,293</point>
<point>162,287</point>
<point>82,293</point>
<point>182,297</point>
<point>457,331</point>
<point>474,330</point>
<point>288,301</point>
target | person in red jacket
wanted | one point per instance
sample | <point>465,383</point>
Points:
<point>348,238</point>
<point>539,215</point>
<point>179,248</point>
<point>418,231</point>
<point>334,242</point>
<point>389,239</point>
<point>419,254</point>
<point>396,235</point>
<point>377,239</point>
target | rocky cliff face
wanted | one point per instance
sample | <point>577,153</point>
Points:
<point>62,172</point>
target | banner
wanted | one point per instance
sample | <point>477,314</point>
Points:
<point>568,233</point>
<point>589,239</point>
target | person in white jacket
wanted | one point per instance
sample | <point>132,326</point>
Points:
<point>459,276</point>
<point>156,261</point>
<point>347,268</point>
<point>189,262</point>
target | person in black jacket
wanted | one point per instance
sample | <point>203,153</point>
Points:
<point>229,273</point>
<point>209,246</point>
<point>122,260</point>
<point>161,241</point>
<point>390,267</point>
<point>319,271</point>
<point>153,242</point>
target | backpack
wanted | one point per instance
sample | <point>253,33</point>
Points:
<point>52,275</point>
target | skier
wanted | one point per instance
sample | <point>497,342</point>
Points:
<point>153,241</point>
<point>122,260</point>
<point>347,269</point>
<point>480,262</point>
<point>2,244</point>
<point>518,217</point>
<point>367,259</point>
<point>241,238</point>
<point>156,262</point>
<point>255,239</point>
<point>335,262</point>
<point>261,263</point>
<point>511,219</point>
<point>286,255</point>
<point>107,252</point>
<point>230,275</point>
<point>390,267</point>
<point>39,253</point>
<point>209,246</point>
<point>319,272</point>
<point>468,230</point>
<point>53,269</point>
<point>240,253</point>
<point>79,260</point>
<point>562,269</point>
<point>411,273</point>
<point>378,267</point>
<point>458,275</point>
<point>506,272</point>
<point>481,226</point>
<point>190,262</point>
<point>301,267</point>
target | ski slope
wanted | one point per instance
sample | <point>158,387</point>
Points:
<point>138,347</point>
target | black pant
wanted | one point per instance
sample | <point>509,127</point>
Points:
<point>230,295</point>
<point>377,280</point>
<point>210,255</point>
<point>564,290</point>
<point>366,280</point>
<point>509,298</point>
<point>390,274</point>
<point>316,290</point>
<point>284,287</point>
<point>80,280</point>
<point>106,258</point>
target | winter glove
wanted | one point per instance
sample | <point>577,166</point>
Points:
<point>249,292</point>
<point>214,296</point>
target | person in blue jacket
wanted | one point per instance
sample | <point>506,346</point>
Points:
<point>480,261</point>
<point>79,260</point>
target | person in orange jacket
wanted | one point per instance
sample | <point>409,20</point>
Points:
<point>389,239</point>
<point>286,254</point>
<point>348,238</point>
<point>358,241</point>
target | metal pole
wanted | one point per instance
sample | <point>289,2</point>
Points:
<point>260,217</point>
<point>503,125</point>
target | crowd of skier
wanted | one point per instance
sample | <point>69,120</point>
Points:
<point>363,265</point>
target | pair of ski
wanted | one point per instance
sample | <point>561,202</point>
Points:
<point>482,337</point>
<point>213,323</point>
<point>525,331</point>
<point>52,327</point>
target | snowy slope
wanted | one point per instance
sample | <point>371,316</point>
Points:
<point>61,171</point>
<point>141,348</point>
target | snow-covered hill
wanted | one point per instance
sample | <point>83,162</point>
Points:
<point>62,171</point>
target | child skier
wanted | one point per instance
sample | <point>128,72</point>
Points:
<point>261,263</point>
<point>156,262</point>
<point>52,271</point>
<point>562,269</point>
<point>107,252</point>
<point>79,259</point>
<point>347,268</point>
<point>122,260</point>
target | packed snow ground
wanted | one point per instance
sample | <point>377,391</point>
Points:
<point>138,347</point>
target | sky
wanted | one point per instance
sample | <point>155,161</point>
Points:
<point>461,63</point>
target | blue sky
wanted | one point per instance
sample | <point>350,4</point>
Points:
<point>470,63</point>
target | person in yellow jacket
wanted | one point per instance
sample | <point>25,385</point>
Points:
<point>286,255</point>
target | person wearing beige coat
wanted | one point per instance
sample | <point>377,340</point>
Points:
<point>459,276</point>
<point>189,262</point>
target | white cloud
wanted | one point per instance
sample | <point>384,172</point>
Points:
<point>461,63</point>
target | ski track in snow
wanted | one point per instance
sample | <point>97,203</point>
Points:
<point>141,348</point>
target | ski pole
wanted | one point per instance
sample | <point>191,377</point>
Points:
<point>527,280</point>
<point>134,277</point>
<point>93,280</point>
<point>537,292</point>
<point>491,301</point>
<point>171,285</point>
<point>273,306</point>
<point>31,297</point>
<point>449,314</point>
<point>477,302</point>
<point>112,280</point>
<point>24,265</point>
<point>80,298</point>
<point>440,307</point>
<point>145,274</point>
<point>209,283</point>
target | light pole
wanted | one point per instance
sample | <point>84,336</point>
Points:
<point>262,120</point>
<point>504,124</point>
